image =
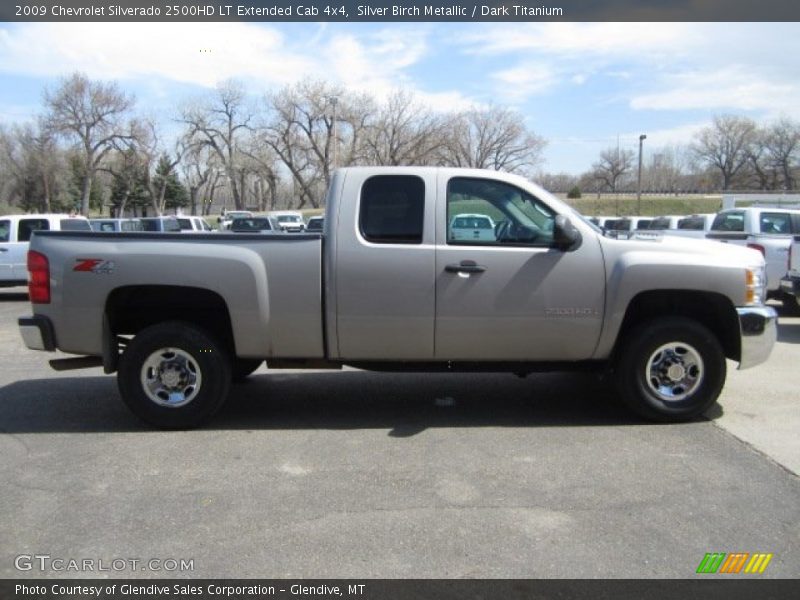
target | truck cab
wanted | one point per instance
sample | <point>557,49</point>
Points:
<point>15,234</point>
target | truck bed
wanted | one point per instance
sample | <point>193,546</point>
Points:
<point>270,284</point>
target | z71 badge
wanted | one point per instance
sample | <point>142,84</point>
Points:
<point>98,266</point>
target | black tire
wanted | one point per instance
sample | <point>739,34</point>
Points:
<point>670,385</point>
<point>243,367</point>
<point>188,358</point>
<point>790,305</point>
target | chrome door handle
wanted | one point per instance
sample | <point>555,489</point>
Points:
<point>465,266</point>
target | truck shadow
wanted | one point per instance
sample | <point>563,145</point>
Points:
<point>404,404</point>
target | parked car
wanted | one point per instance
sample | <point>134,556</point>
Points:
<point>193,224</point>
<point>290,220</point>
<point>472,227</point>
<point>664,223</point>
<point>226,219</point>
<point>15,234</point>
<point>768,230</point>
<point>695,226</point>
<point>627,223</point>
<point>160,224</point>
<point>263,224</point>
<point>386,289</point>
<point>115,225</point>
<point>601,221</point>
<point>316,223</point>
<point>790,284</point>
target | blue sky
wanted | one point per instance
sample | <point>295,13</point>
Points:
<point>580,85</point>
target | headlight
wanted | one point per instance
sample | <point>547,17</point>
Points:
<point>755,279</point>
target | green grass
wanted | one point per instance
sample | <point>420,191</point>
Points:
<point>651,205</point>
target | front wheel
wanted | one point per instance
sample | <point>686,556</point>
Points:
<point>174,375</point>
<point>670,369</point>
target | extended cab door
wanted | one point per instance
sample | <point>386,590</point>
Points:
<point>512,296</point>
<point>384,268</point>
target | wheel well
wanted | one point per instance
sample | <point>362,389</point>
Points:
<point>130,309</point>
<point>713,310</point>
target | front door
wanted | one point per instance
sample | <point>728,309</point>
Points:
<point>508,294</point>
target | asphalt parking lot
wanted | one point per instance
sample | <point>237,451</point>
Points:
<point>355,474</point>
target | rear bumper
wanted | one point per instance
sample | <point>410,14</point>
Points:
<point>758,328</point>
<point>791,286</point>
<point>37,333</point>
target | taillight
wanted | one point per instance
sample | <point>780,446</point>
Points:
<point>39,284</point>
<point>758,247</point>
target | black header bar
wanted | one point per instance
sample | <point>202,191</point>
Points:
<point>399,10</point>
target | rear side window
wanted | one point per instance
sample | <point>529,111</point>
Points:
<point>693,223</point>
<point>660,223</point>
<point>729,221</point>
<point>392,209</point>
<point>775,223</point>
<point>75,225</point>
<point>150,225</point>
<point>5,231</point>
<point>171,225</point>
<point>28,226</point>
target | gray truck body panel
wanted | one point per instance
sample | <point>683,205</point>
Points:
<point>394,302</point>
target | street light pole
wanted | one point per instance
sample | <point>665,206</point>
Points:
<point>334,100</point>
<point>642,138</point>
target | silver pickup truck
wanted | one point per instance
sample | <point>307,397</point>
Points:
<point>388,287</point>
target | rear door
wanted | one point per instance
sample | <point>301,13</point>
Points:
<point>19,249</point>
<point>6,269</point>
<point>515,297</point>
<point>384,279</point>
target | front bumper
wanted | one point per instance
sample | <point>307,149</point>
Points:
<point>791,286</point>
<point>37,333</point>
<point>758,329</point>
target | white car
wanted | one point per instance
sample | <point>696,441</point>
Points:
<point>290,220</point>
<point>695,226</point>
<point>474,227</point>
<point>15,234</point>
<point>193,225</point>
<point>226,219</point>
<point>112,225</point>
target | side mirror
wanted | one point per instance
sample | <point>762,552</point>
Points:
<point>565,236</point>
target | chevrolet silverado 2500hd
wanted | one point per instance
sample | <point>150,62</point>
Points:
<point>389,288</point>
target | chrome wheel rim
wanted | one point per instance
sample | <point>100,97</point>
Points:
<point>674,371</point>
<point>171,377</point>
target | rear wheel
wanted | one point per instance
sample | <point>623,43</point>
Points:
<point>670,369</point>
<point>174,375</point>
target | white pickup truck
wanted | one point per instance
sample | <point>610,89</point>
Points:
<point>790,285</point>
<point>768,230</point>
<point>15,234</point>
<point>388,287</point>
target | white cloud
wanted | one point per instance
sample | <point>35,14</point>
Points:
<point>196,53</point>
<point>731,88</point>
<point>520,82</point>
<point>203,54</point>
<point>594,39</point>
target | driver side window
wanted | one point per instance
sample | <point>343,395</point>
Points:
<point>487,212</point>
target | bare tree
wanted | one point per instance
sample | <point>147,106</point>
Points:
<point>93,115</point>
<point>31,167</point>
<point>782,148</point>
<point>724,145</point>
<point>667,170</point>
<point>612,166</point>
<point>221,123</point>
<point>493,138</point>
<point>404,133</point>
<point>305,135</point>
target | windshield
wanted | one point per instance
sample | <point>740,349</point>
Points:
<point>288,219</point>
